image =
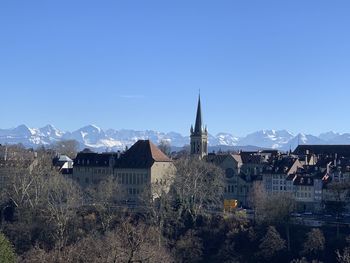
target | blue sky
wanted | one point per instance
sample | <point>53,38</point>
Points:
<point>139,64</point>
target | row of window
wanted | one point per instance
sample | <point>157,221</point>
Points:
<point>280,188</point>
<point>132,178</point>
<point>278,181</point>
<point>83,161</point>
<point>134,191</point>
<point>94,170</point>
<point>275,176</point>
<point>303,195</point>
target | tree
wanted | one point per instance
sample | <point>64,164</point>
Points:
<point>343,257</point>
<point>67,147</point>
<point>198,187</point>
<point>7,254</point>
<point>135,242</point>
<point>165,147</point>
<point>104,198</point>
<point>275,209</point>
<point>271,243</point>
<point>314,243</point>
<point>257,198</point>
<point>189,247</point>
<point>63,197</point>
<point>336,206</point>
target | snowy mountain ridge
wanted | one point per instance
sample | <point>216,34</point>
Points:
<point>98,139</point>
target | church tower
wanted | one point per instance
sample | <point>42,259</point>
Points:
<point>199,135</point>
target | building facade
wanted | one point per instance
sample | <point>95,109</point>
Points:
<point>136,172</point>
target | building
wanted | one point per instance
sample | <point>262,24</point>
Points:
<point>199,135</point>
<point>63,164</point>
<point>241,170</point>
<point>137,171</point>
<point>323,150</point>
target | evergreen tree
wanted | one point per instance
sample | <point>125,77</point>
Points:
<point>7,254</point>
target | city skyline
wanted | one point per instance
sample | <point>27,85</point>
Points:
<point>117,65</point>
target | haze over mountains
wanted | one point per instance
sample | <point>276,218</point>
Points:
<point>98,139</point>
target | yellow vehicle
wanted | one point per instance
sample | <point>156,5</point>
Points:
<point>230,204</point>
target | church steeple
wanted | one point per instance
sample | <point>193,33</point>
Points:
<point>199,136</point>
<point>198,128</point>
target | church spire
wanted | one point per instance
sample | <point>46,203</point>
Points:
<point>199,136</point>
<point>198,126</point>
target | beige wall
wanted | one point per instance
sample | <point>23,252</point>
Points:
<point>133,183</point>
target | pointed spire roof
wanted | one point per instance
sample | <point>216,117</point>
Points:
<point>198,125</point>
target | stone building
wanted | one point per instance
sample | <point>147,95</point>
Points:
<point>199,135</point>
<point>136,171</point>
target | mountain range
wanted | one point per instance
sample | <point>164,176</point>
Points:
<point>98,139</point>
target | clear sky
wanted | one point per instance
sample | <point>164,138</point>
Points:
<point>139,64</point>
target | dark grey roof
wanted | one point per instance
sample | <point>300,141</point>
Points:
<point>341,150</point>
<point>140,156</point>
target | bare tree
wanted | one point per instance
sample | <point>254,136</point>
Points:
<point>271,243</point>
<point>135,242</point>
<point>67,147</point>
<point>336,206</point>
<point>198,186</point>
<point>165,147</point>
<point>63,197</point>
<point>104,197</point>
<point>189,247</point>
<point>314,243</point>
<point>275,209</point>
<point>27,182</point>
<point>343,257</point>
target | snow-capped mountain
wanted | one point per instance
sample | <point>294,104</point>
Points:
<point>267,139</point>
<point>98,139</point>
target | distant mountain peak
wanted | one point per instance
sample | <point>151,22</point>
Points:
<point>97,139</point>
